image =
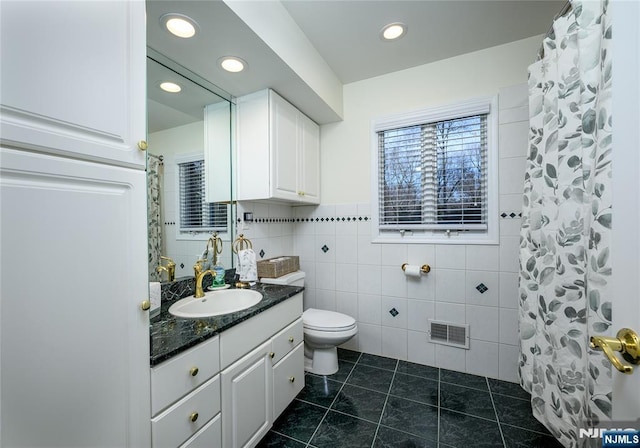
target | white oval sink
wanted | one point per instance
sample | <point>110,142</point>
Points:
<point>216,303</point>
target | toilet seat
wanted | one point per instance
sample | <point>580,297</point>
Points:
<point>330,321</point>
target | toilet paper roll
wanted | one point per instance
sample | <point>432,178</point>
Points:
<point>412,270</point>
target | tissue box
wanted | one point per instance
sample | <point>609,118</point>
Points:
<point>279,266</point>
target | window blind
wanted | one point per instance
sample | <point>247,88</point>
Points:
<point>196,214</point>
<point>434,175</point>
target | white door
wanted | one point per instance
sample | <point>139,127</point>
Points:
<point>75,343</point>
<point>626,196</point>
<point>73,78</point>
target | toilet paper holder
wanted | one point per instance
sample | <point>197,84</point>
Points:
<point>425,268</point>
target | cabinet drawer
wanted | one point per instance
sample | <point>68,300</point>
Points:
<point>286,340</point>
<point>210,436</point>
<point>288,379</point>
<point>244,337</point>
<point>178,376</point>
<point>174,426</point>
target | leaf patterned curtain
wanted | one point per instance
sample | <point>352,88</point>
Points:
<point>154,215</point>
<point>565,268</point>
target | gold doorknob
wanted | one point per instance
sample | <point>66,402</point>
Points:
<point>142,145</point>
<point>193,417</point>
<point>291,339</point>
<point>271,355</point>
<point>194,371</point>
<point>145,305</point>
<point>625,342</point>
<point>292,379</point>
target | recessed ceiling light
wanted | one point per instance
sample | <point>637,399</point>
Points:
<point>170,87</point>
<point>393,31</point>
<point>232,64</point>
<point>179,25</point>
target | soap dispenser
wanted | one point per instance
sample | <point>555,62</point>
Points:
<point>216,243</point>
<point>218,280</point>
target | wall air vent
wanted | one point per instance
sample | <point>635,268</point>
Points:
<point>455,335</point>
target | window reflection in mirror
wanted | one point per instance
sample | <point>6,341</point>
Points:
<point>188,171</point>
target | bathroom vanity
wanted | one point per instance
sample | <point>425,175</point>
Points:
<point>222,381</point>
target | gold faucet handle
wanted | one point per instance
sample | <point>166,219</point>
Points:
<point>626,342</point>
<point>170,269</point>
<point>168,260</point>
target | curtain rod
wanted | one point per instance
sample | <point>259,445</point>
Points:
<point>564,11</point>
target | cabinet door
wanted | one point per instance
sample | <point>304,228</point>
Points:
<point>247,395</point>
<point>309,179</point>
<point>75,343</point>
<point>73,78</point>
<point>284,147</point>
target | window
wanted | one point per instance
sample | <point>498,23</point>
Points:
<point>196,215</point>
<point>434,172</point>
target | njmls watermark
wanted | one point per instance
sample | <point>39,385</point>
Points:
<point>614,434</point>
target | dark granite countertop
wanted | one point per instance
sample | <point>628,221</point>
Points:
<point>172,335</point>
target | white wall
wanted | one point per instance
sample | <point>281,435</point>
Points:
<point>172,143</point>
<point>365,280</point>
<point>349,274</point>
<point>345,146</point>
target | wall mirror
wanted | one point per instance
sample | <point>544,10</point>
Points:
<point>189,122</point>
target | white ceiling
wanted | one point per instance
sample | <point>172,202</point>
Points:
<point>345,33</point>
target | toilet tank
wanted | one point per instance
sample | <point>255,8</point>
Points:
<point>295,278</point>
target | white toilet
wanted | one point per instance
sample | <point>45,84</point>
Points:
<point>323,331</point>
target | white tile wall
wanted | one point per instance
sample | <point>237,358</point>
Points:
<point>365,281</point>
<point>451,358</point>
<point>450,285</point>
<point>483,358</point>
<point>490,297</point>
<point>420,350</point>
<point>400,305</point>
<point>394,343</point>
<point>369,309</point>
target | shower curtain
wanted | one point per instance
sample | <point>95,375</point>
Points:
<point>154,215</point>
<point>565,268</point>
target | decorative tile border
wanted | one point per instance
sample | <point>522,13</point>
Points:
<point>312,219</point>
<point>504,215</point>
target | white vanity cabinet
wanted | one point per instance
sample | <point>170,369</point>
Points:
<point>264,371</point>
<point>185,398</point>
<point>278,150</point>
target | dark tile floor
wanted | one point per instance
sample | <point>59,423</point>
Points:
<point>378,402</point>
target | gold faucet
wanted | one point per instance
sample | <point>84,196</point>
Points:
<point>199,275</point>
<point>170,268</point>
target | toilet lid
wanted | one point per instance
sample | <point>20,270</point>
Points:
<point>322,320</point>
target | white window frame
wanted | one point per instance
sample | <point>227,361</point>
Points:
<point>446,112</point>
<point>191,235</point>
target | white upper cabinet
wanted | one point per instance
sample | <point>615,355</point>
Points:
<point>73,79</point>
<point>278,150</point>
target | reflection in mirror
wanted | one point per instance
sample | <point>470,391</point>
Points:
<point>189,172</point>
